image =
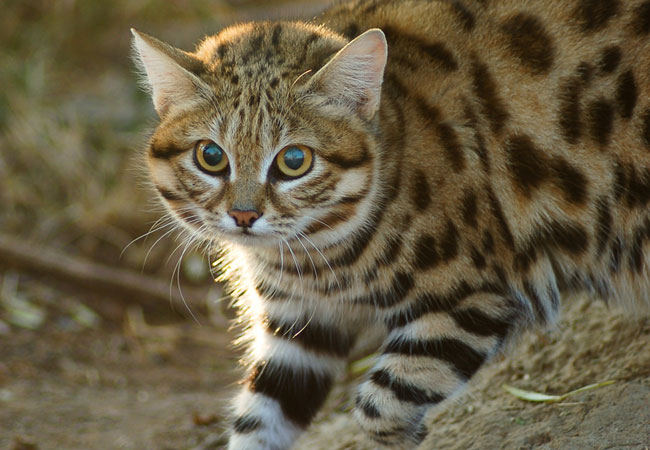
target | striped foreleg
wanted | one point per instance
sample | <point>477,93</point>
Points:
<point>294,364</point>
<point>430,355</point>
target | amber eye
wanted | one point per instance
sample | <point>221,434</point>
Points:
<point>210,158</point>
<point>294,160</point>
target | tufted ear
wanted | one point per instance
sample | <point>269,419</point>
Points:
<point>169,73</point>
<point>355,74</point>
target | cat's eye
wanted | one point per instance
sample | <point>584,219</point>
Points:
<point>294,161</point>
<point>209,157</point>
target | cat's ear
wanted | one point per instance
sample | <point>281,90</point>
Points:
<point>355,74</point>
<point>169,72</point>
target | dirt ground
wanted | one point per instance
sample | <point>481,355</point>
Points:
<point>140,386</point>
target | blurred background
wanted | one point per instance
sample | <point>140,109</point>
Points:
<point>93,331</point>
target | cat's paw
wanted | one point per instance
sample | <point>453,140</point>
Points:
<point>389,421</point>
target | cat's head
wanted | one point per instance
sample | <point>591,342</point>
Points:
<point>268,131</point>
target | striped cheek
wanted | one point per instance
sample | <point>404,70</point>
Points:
<point>186,193</point>
<point>346,204</point>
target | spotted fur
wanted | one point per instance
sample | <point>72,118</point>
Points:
<point>474,162</point>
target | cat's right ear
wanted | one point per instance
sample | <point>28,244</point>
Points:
<point>169,73</point>
<point>355,74</point>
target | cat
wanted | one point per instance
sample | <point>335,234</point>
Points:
<point>443,170</point>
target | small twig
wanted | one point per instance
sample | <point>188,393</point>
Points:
<point>123,285</point>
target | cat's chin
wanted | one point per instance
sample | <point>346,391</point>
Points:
<point>251,240</point>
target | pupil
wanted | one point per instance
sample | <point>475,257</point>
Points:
<point>294,158</point>
<point>212,155</point>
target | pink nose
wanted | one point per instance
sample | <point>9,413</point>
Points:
<point>244,218</point>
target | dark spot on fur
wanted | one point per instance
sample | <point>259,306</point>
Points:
<point>426,254</point>
<point>610,59</point>
<point>594,14</point>
<point>470,208</point>
<point>487,242</point>
<point>222,50</point>
<point>626,94</point>
<point>486,90</point>
<point>452,147</point>
<point>601,121</point>
<point>421,191</point>
<point>604,224</point>
<point>637,186</point>
<point>529,42</point>
<point>569,114</point>
<point>504,228</point>
<point>449,242</point>
<point>465,17</point>
<point>641,21</point>
<point>526,163</point>
<point>571,180</point>
<point>477,258</point>
<point>391,251</point>
<point>427,112</point>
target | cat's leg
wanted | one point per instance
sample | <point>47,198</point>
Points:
<point>429,355</point>
<point>294,362</point>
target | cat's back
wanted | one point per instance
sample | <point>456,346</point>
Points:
<point>566,84</point>
<point>565,71</point>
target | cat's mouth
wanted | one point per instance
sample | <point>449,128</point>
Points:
<point>250,238</point>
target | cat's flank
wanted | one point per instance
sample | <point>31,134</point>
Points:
<point>446,170</point>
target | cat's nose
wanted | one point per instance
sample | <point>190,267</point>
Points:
<point>244,218</point>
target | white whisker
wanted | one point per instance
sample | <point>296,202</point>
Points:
<point>324,258</point>
<point>177,272</point>
<point>154,228</point>
<point>310,259</point>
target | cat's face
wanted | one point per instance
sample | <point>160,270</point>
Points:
<point>258,141</point>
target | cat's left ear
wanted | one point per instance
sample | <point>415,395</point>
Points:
<point>170,73</point>
<point>355,74</point>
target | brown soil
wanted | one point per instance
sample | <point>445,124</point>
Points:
<point>165,387</point>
